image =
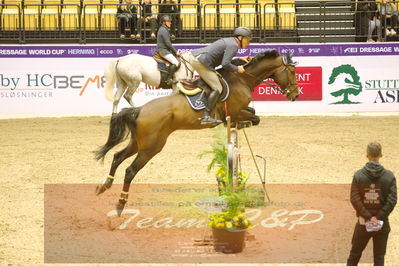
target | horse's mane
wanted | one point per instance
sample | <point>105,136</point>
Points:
<point>256,59</point>
<point>263,55</point>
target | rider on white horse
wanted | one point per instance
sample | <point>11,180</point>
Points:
<point>221,52</point>
<point>165,48</point>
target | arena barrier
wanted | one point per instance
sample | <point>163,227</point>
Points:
<point>68,80</point>
<point>282,21</point>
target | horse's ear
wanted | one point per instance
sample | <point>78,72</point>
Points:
<point>288,58</point>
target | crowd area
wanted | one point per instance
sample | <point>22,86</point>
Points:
<point>194,21</point>
<point>376,19</point>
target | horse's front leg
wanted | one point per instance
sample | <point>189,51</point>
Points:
<point>250,109</point>
<point>247,115</point>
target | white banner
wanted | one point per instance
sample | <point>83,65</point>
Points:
<point>73,86</point>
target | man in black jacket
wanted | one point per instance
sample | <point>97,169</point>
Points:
<point>374,196</point>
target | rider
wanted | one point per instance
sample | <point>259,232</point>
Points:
<point>221,52</point>
<point>165,48</point>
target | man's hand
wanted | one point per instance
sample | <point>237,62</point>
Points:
<point>177,53</point>
<point>240,69</point>
<point>246,59</point>
<point>374,219</point>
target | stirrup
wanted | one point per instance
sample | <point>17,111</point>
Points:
<point>209,120</point>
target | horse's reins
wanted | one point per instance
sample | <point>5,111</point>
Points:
<point>185,62</point>
<point>258,80</point>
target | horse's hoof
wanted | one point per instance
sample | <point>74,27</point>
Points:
<point>244,124</point>
<point>119,207</point>
<point>100,189</point>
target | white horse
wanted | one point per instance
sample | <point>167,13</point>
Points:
<point>128,71</point>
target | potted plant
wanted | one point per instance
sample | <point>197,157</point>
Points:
<point>229,226</point>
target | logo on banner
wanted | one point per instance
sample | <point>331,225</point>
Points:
<point>346,83</point>
<point>309,86</point>
<point>43,85</point>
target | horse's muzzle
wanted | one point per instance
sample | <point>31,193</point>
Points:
<point>292,96</point>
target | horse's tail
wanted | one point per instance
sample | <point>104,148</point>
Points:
<point>125,119</point>
<point>110,78</point>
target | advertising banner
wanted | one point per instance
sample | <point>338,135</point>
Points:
<point>68,80</point>
<point>309,81</point>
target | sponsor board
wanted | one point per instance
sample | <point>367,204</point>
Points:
<point>352,86</point>
<point>309,82</point>
<point>308,50</point>
<point>67,82</point>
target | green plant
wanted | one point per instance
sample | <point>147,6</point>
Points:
<point>235,196</point>
<point>219,152</point>
<point>221,177</point>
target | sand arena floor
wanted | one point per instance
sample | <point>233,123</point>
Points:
<point>299,150</point>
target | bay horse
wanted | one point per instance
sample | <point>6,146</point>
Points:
<point>151,124</point>
<point>128,71</point>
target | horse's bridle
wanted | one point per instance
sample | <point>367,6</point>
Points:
<point>290,84</point>
<point>285,69</point>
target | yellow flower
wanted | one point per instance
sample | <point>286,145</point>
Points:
<point>219,225</point>
<point>229,225</point>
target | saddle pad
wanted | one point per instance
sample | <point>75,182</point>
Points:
<point>162,67</point>
<point>198,101</point>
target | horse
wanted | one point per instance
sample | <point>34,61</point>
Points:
<point>151,124</point>
<point>128,71</point>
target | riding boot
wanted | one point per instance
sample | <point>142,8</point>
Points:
<point>170,80</point>
<point>212,100</point>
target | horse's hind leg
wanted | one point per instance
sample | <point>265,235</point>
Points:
<point>139,162</point>
<point>119,157</point>
<point>132,87</point>
<point>121,89</point>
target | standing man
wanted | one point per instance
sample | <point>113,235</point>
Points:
<point>165,48</point>
<point>205,60</point>
<point>374,196</point>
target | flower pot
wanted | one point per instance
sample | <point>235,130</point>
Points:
<point>228,240</point>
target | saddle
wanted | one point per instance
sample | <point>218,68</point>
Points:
<point>163,64</point>
<point>197,89</point>
<point>163,67</point>
<point>197,85</point>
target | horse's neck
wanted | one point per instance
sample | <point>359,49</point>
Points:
<point>262,73</point>
<point>185,70</point>
<point>240,91</point>
<point>182,72</point>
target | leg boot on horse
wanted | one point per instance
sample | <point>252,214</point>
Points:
<point>210,105</point>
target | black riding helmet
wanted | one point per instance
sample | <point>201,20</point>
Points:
<point>165,18</point>
<point>243,31</point>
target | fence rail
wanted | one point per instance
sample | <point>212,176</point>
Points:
<point>300,21</point>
